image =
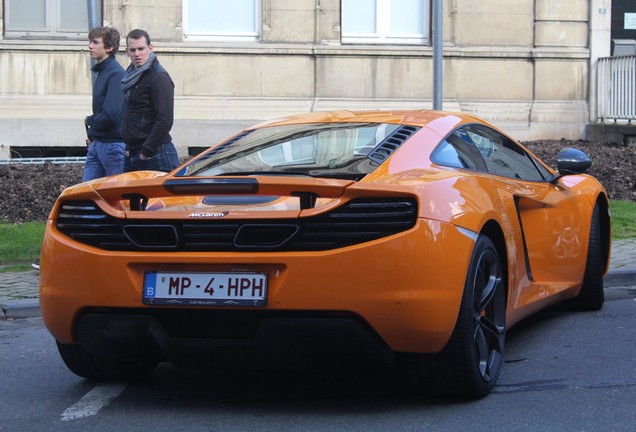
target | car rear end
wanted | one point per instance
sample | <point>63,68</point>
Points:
<point>213,256</point>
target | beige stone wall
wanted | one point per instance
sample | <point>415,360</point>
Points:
<point>33,70</point>
<point>563,23</point>
<point>490,23</point>
<point>160,18</point>
<point>522,64</point>
<point>573,87</point>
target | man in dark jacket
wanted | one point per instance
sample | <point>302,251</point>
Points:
<point>106,150</point>
<point>148,108</point>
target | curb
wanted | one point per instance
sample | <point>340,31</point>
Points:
<point>620,278</point>
<point>30,307</point>
<point>20,309</point>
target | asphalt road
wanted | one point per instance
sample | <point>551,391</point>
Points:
<point>563,372</point>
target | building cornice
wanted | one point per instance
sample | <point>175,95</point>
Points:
<point>208,48</point>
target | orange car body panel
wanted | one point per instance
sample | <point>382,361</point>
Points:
<point>408,286</point>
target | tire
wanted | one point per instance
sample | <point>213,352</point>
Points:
<point>86,365</point>
<point>592,294</point>
<point>470,363</point>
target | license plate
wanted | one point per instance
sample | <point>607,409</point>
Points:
<point>205,289</point>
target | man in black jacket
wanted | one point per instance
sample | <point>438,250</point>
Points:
<point>148,108</point>
<point>106,150</point>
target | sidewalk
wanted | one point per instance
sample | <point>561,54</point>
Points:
<point>19,290</point>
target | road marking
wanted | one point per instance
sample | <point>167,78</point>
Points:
<point>93,401</point>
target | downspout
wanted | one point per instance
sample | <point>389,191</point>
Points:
<point>438,54</point>
<point>317,13</point>
<point>94,20</point>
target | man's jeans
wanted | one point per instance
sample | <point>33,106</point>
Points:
<point>104,159</point>
<point>165,159</point>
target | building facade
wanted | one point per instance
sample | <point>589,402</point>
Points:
<point>525,65</point>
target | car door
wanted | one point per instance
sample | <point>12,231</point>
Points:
<point>551,222</point>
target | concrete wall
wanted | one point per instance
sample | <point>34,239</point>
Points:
<point>522,64</point>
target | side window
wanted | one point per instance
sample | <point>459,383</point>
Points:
<point>67,19</point>
<point>503,156</point>
<point>236,20</point>
<point>458,151</point>
<point>386,21</point>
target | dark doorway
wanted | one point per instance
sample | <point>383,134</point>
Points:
<point>46,152</point>
<point>623,26</point>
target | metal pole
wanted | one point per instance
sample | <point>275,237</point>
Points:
<point>438,54</point>
<point>94,20</point>
<point>94,13</point>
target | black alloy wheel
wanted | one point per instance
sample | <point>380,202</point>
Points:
<point>470,363</point>
<point>489,315</point>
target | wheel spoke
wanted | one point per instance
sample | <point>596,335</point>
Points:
<point>487,280</point>
<point>482,349</point>
<point>492,365</point>
<point>491,328</point>
<point>493,333</point>
<point>489,291</point>
<point>480,281</point>
<point>489,345</point>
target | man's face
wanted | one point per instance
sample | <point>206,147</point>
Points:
<point>96,49</point>
<point>138,51</point>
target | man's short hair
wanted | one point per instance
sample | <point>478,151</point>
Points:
<point>110,36</point>
<point>138,34</point>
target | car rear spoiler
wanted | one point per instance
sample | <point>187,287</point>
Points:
<point>307,189</point>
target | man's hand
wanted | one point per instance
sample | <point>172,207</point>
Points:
<point>87,127</point>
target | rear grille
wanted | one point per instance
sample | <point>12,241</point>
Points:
<point>86,223</point>
<point>356,222</point>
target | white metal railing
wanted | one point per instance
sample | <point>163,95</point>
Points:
<point>53,160</point>
<point>616,88</point>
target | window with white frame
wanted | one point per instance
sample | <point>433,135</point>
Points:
<point>236,20</point>
<point>60,19</point>
<point>386,21</point>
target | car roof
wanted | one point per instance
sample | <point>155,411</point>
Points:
<point>406,117</point>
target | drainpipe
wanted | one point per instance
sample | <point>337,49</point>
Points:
<point>94,20</point>
<point>438,54</point>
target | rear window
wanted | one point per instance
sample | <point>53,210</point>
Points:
<point>336,150</point>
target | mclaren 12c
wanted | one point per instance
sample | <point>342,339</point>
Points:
<point>425,234</point>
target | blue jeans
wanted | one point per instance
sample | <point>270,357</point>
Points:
<point>104,159</point>
<point>165,159</point>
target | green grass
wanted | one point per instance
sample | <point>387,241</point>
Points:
<point>20,243</point>
<point>623,219</point>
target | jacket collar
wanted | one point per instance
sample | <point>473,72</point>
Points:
<point>98,67</point>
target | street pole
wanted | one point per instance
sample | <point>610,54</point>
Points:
<point>94,20</point>
<point>438,54</point>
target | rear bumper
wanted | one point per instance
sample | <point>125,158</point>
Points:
<point>405,288</point>
<point>143,335</point>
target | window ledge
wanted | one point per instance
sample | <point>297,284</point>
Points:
<point>24,44</point>
<point>307,49</point>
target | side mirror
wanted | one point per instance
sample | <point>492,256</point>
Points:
<point>573,161</point>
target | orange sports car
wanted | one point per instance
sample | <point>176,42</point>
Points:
<point>425,234</point>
